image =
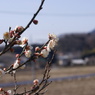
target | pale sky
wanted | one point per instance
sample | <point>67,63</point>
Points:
<point>57,16</point>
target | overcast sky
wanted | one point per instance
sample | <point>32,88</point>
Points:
<point>58,17</point>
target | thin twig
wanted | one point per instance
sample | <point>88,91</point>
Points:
<point>15,82</point>
<point>27,26</point>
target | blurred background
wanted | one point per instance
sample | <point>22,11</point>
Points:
<point>73,21</point>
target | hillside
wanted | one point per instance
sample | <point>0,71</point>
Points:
<point>77,42</point>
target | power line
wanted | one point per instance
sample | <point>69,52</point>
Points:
<point>50,14</point>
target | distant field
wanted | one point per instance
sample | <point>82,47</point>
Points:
<point>84,86</point>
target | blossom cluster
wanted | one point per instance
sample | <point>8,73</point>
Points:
<point>50,45</point>
<point>27,49</point>
<point>11,38</point>
<point>8,92</point>
<point>44,52</point>
<point>8,36</point>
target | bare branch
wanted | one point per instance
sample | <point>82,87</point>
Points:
<point>38,88</point>
<point>7,47</point>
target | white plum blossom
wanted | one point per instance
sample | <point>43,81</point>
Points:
<point>51,44</point>
<point>19,28</point>
<point>16,64</point>
<point>1,72</point>
<point>53,41</point>
<point>9,92</point>
<point>28,53</point>
<point>53,36</point>
<point>23,42</point>
<point>45,53</point>
<point>6,36</point>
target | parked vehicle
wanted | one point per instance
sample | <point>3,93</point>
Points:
<point>79,61</point>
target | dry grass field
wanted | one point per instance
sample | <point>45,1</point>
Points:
<point>81,86</point>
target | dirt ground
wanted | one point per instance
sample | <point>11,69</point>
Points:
<point>81,86</point>
<point>73,87</point>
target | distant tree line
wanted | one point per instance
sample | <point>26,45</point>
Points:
<point>81,42</point>
<point>75,42</point>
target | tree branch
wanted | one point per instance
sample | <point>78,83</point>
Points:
<point>10,45</point>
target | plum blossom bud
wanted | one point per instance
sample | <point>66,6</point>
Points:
<point>37,49</point>
<point>36,82</point>
<point>27,94</point>
<point>4,69</point>
<point>35,22</point>
<point>1,72</point>
<point>19,28</point>
<point>6,36</point>
<point>44,53</point>
<point>17,55</point>
<point>1,94</point>
<point>11,33</point>
<point>1,41</point>
<point>28,53</point>
<point>1,89</point>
